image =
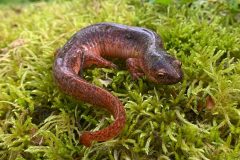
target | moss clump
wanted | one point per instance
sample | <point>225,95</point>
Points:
<point>197,119</point>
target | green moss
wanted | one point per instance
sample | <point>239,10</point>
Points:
<point>163,122</point>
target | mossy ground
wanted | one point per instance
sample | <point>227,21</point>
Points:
<point>196,119</point>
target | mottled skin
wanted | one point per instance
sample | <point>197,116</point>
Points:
<point>144,54</point>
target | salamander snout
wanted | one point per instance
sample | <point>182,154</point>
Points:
<point>165,70</point>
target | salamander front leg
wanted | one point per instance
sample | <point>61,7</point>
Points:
<point>92,59</point>
<point>89,59</point>
<point>133,65</point>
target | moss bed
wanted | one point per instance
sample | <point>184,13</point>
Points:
<point>196,119</point>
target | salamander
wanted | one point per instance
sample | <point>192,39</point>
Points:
<point>143,51</point>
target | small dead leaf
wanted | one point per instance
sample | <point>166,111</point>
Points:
<point>3,50</point>
<point>36,139</point>
<point>210,104</point>
<point>17,43</point>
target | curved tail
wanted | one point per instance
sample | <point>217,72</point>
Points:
<point>73,85</point>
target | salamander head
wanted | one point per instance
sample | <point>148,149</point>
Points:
<point>162,68</point>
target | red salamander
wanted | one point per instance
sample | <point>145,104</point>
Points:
<point>140,47</point>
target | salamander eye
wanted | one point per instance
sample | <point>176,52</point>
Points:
<point>161,73</point>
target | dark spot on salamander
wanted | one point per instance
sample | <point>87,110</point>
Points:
<point>128,36</point>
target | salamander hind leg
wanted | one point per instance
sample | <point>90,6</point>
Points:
<point>133,65</point>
